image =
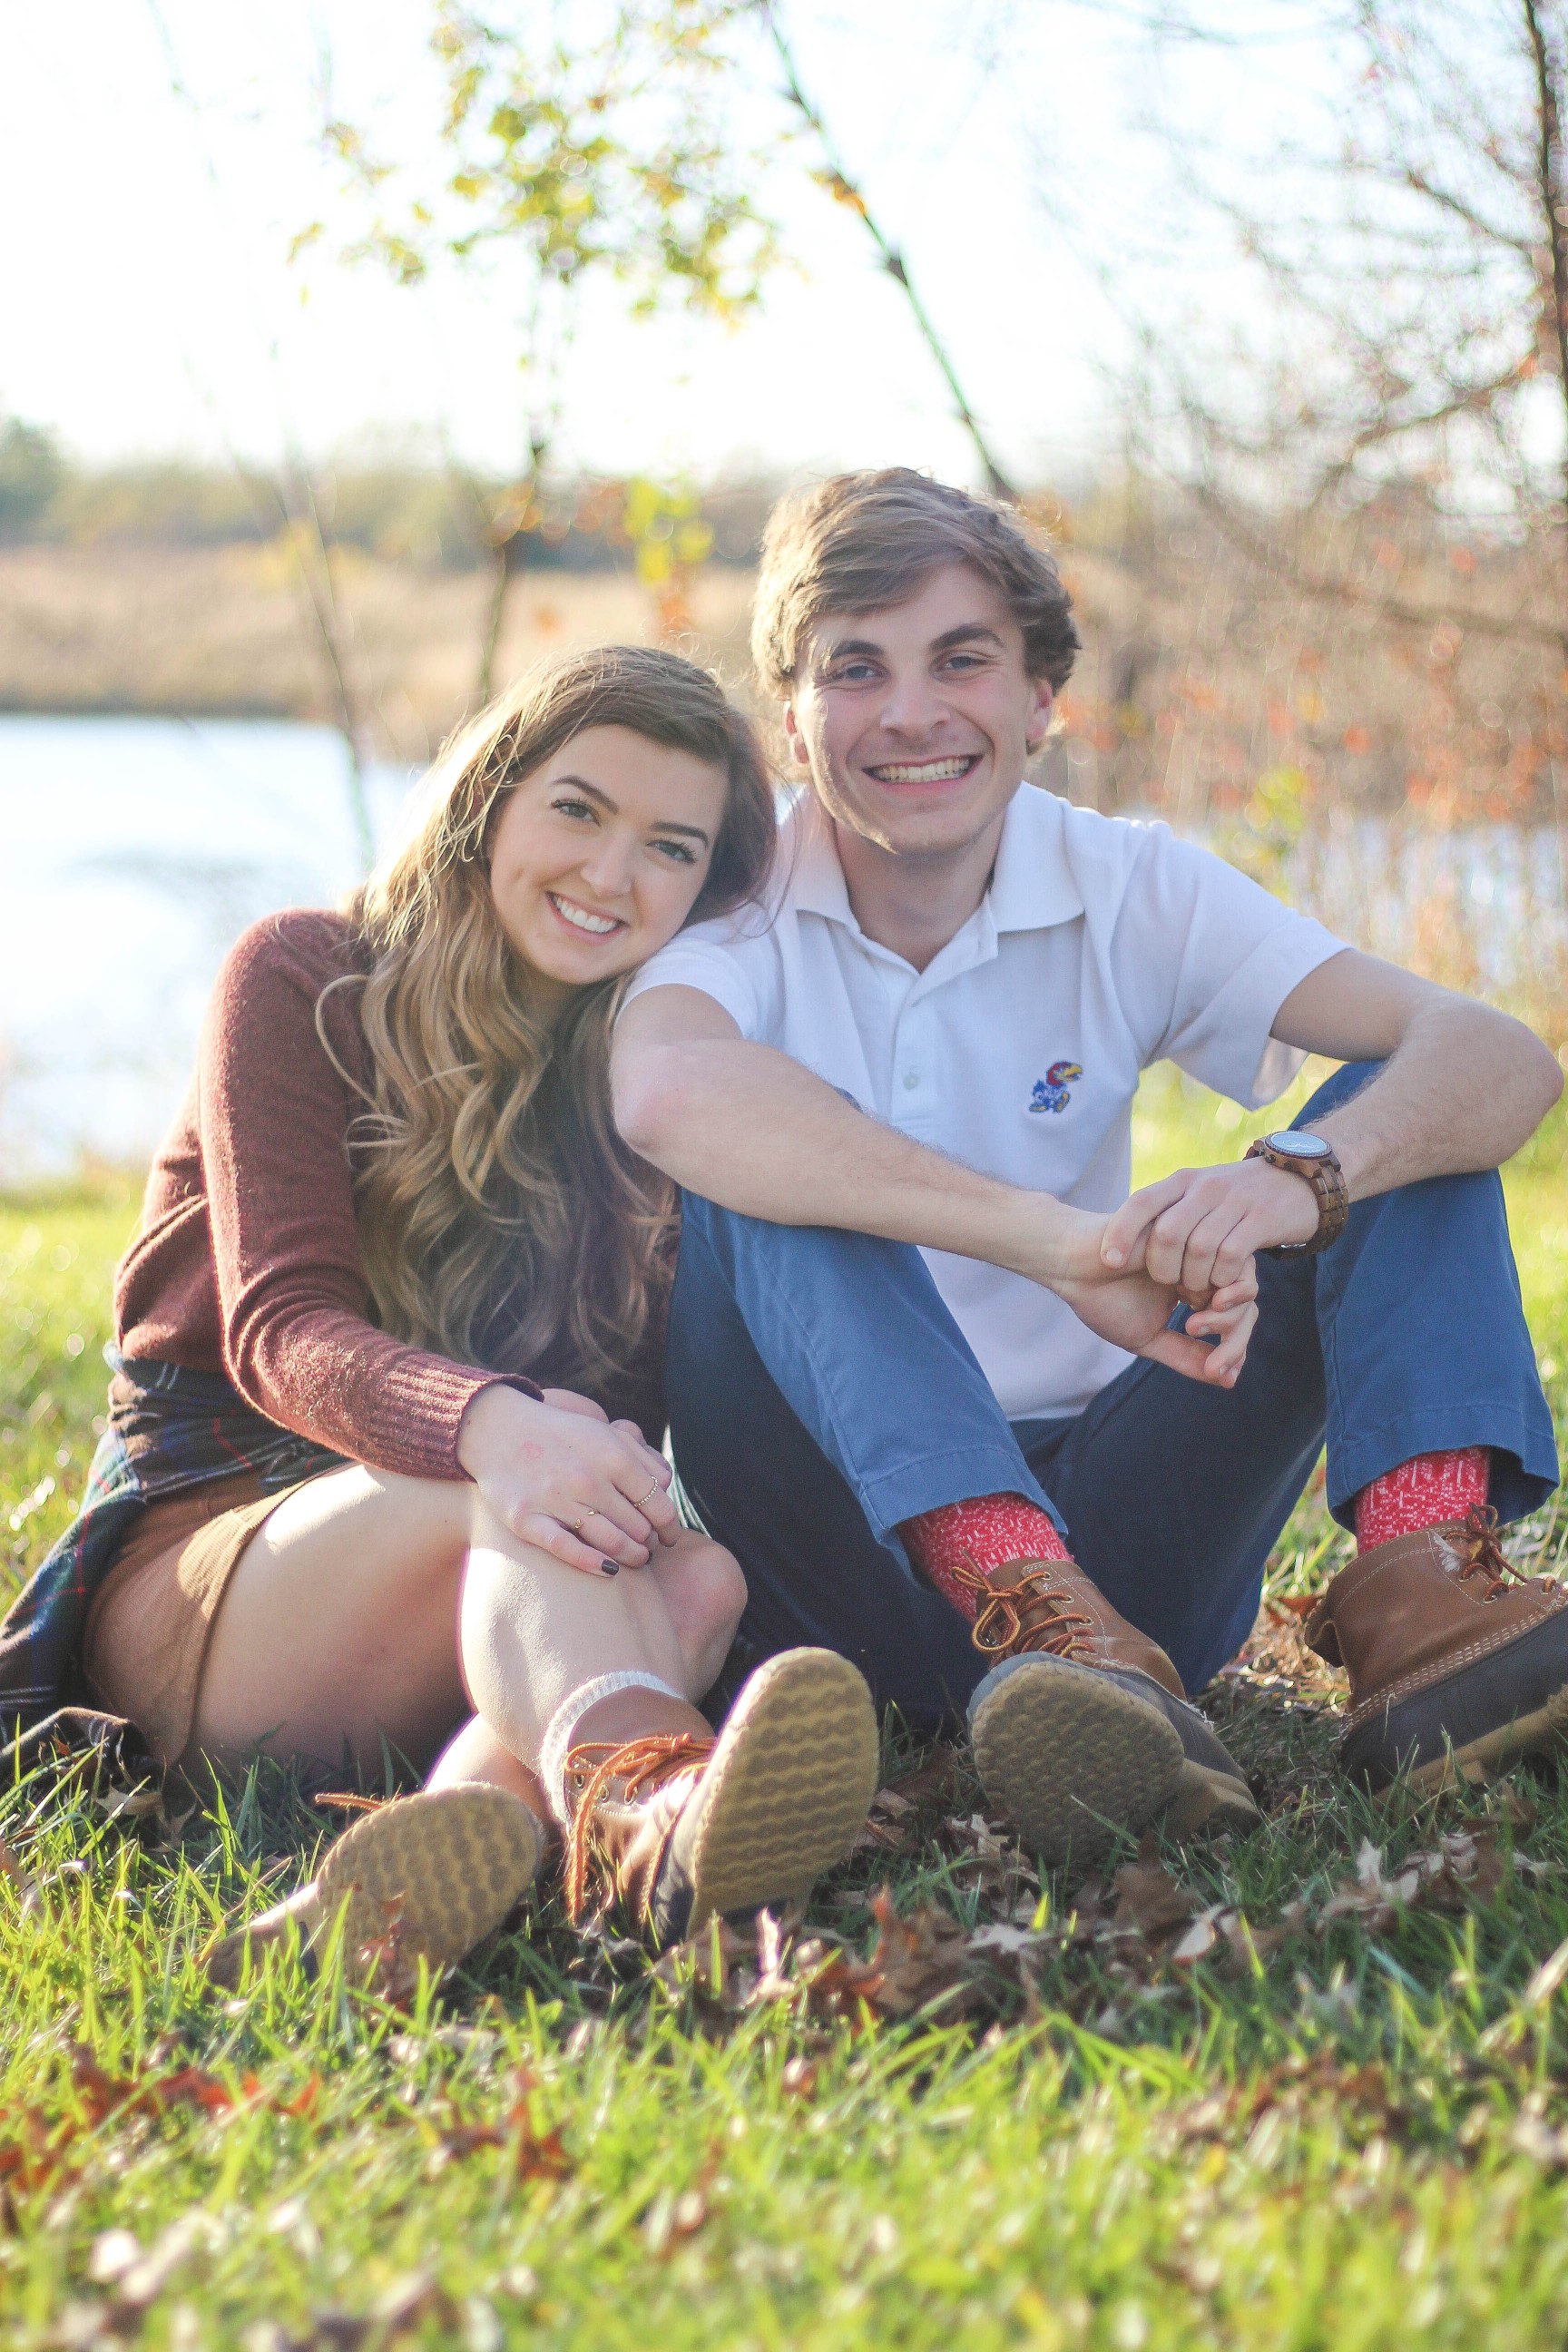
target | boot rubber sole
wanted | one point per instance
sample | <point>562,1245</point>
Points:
<point>788,1787</point>
<point>1072,1761</point>
<point>1542,1732</point>
<point>425,1877</point>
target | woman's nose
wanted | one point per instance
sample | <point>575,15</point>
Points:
<point>609,866</point>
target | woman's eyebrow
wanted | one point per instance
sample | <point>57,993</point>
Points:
<point>594,791</point>
<point>597,792</point>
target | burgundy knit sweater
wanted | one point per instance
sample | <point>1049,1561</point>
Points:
<point>247,1263</point>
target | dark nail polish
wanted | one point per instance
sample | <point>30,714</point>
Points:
<point>611,1567</point>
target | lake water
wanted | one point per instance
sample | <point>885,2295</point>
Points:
<point>136,850</point>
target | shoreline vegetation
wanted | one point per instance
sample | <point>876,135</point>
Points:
<point>217,632</point>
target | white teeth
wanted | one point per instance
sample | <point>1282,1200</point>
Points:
<point>579,917</point>
<point>930,771</point>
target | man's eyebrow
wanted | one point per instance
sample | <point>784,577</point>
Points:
<point>849,646</point>
<point>660,824</point>
<point>967,633</point>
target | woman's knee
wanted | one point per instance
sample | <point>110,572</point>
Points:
<point>704,1591</point>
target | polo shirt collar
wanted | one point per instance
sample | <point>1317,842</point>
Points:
<point>1032,885</point>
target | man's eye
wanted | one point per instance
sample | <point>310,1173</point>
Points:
<point>850,673</point>
<point>680,851</point>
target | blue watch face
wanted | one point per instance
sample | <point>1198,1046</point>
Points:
<point>1300,1144</point>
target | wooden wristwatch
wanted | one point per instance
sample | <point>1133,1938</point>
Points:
<point>1300,1154</point>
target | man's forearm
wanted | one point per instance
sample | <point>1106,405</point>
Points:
<point>753,1130</point>
<point>1463,1090</point>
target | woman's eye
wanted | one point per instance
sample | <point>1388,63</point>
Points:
<point>569,806</point>
<point>680,851</point>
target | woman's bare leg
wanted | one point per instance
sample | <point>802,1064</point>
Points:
<point>340,1626</point>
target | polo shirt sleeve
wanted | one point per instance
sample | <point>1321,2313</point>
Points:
<point>1203,959</point>
<point>734,960</point>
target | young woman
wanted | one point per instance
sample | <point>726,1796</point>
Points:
<point>382,1463</point>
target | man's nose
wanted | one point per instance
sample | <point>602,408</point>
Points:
<point>912,705</point>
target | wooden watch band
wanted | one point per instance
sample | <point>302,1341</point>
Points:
<point>1326,1178</point>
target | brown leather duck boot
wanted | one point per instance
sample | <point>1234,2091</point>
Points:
<point>675,1827</point>
<point>422,1878</point>
<point>1082,1730</point>
<point>1457,1661</point>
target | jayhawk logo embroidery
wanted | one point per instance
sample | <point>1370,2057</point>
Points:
<point>1051,1092</point>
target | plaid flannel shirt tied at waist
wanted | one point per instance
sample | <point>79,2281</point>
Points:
<point>169,1430</point>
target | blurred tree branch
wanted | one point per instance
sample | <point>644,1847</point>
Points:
<point>584,147</point>
<point>835,178</point>
<point>1415,268</point>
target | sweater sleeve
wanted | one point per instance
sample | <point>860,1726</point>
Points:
<point>273,1118</point>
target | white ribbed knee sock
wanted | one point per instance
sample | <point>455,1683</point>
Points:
<point>569,1714</point>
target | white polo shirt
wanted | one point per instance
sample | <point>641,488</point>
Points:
<point>1101,946</point>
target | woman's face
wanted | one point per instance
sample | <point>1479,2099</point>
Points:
<point>597,857</point>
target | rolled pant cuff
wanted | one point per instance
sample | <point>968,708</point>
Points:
<point>1520,1482</point>
<point>954,1477</point>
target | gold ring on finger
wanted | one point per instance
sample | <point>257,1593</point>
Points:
<point>642,1498</point>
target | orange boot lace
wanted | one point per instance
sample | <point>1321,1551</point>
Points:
<point>1485,1555</point>
<point>641,1765</point>
<point>1000,1630</point>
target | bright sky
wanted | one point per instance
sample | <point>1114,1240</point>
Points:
<point>149,306</point>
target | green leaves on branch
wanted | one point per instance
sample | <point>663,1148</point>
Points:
<point>604,149</point>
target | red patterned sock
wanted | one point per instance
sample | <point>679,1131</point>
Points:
<point>1422,1493</point>
<point>982,1533</point>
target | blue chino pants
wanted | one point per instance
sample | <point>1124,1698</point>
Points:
<point>820,1393</point>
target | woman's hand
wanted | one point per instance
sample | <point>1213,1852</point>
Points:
<point>589,1491</point>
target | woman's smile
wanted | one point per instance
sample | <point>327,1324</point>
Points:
<point>583,918</point>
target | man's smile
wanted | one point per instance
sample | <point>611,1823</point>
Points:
<point>926,771</point>
<point>600,926</point>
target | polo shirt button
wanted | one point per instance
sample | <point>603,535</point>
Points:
<point>911,1079</point>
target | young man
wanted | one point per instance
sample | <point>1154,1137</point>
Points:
<point>967,1413</point>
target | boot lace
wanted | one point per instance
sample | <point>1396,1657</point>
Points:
<point>1484,1554</point>
<point>640,1766</point>
<point>999,1629</point>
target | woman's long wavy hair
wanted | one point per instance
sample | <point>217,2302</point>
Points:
<point>502,1221</point>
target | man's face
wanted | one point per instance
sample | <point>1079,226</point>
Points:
<point>917,722</point>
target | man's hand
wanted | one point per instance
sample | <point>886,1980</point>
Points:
<point>1198,1228</point>
<point>1132,1307</point>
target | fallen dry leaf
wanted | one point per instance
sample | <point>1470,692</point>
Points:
<point>799,2078</point>
<point>1547,1979</point>
<point>13,1868</point>
<point>1533,2135</point>
<point>1149,1901</point>
<point>535,2155</point>
<point>913,1962</point>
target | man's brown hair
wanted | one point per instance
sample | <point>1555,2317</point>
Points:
<point>866,543</point>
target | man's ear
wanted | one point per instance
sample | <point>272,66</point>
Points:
<point>1038,724</point>
<point>798,751</point>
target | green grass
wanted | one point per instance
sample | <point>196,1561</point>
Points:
<point>1349,2130</point>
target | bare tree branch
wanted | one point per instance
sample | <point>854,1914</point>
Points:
<point>846,191</point>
